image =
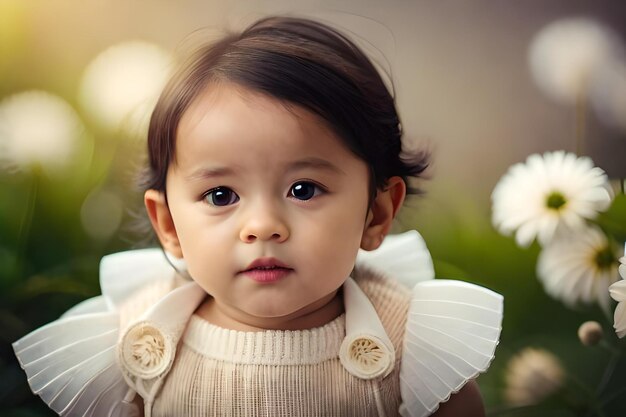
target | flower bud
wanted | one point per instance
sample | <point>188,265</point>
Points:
<point>531,376</point>
<point>590,333</point>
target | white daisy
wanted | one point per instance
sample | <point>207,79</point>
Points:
<point>531,376</point>
<point>121,85</point>
<point>579,268</point>
<point>564,56</point>
<point>38,129</point>
<point>618,292</point>
<point>549,194</point>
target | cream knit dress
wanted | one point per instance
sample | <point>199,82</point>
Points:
<point>220,372</point>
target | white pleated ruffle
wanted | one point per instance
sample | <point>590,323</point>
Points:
<point>71,362</point>
<point>123,274</point>
<point>403,257</point>
<point>452,331</point>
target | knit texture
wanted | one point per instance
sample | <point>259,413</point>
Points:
<point>221,372</point>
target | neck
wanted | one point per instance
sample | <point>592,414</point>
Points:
<point>314,315</point>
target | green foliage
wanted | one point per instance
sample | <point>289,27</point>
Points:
<point>613,221</point>
<point>47,261</point>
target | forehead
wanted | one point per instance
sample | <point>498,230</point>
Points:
<point>226,117</point>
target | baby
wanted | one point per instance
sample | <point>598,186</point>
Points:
<point>275,171</point>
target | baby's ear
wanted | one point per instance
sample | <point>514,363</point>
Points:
<point>382,212</point>
<point>162,221</point>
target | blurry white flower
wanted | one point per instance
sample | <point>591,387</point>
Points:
<point>101,214</point>
<point>564,55</point>
<point>608,94</point>
<point>121,85</point>
<point>549,194</point>
<point>618,292</point>
<point>38,129</point>
<point>579,268</point>
<point>531,376</point>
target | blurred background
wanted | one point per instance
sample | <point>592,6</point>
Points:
<point>78,79</point>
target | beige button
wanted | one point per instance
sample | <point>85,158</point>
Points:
<point>146,351</point>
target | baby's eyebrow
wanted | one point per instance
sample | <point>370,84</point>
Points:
<point>314,163</point>
<point>214,172</point>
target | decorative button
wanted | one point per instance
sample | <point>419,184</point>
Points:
<point>365,357</point>
<point>145,351</point>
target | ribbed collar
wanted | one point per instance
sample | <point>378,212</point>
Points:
<point>269,347</point>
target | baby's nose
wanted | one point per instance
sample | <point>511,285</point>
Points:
<point>264,225</point>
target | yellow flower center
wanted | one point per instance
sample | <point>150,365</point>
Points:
<point>605,258</point>
<point>555,200</point>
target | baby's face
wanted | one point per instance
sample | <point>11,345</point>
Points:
<point>254,181</point>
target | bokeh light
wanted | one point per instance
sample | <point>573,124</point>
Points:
<point>120,86</point>
<point>101,214</point>
<point>564,55</point>
<point>38,129</point>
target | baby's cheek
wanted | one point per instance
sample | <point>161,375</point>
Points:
<point>348,227</point>
<point>335,246</point>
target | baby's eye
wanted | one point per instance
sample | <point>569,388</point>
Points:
<point>221,196</point>
<point>304,190</point>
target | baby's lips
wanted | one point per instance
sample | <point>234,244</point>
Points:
<point>267,262</point>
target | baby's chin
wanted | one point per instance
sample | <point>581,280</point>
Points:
<point>275,311</point>
<point>285,315</point>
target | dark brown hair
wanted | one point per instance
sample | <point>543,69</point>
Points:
<point>303,63</point>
